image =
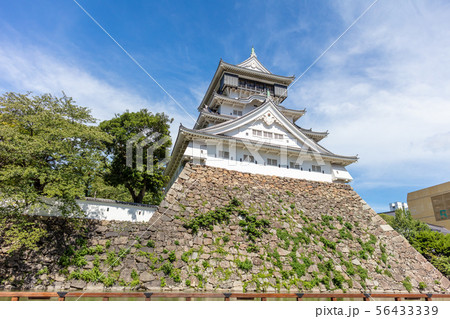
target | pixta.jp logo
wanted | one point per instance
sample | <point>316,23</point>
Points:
<point>151,144</point>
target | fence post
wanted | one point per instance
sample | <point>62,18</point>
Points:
<point>227,296</point>
<point>61,295</point>
<point>428,297</point>
<point>14,298</point>
<point>148,296</point>
<point>366,296</point>
<point>299,296</point>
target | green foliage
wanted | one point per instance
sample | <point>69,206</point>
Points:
<point>211,218</point>
<point>384,258</point>
<point>434,246</point>
<point>338,279</point>
<point>349,268</point>
<point>108,244</point>
<point>112,259</point>
<point>172,256</point>
<point>245,265</point>
<point>366,247</point>
<point>442,264</point>
<point>327,243</point>
<point>42,271</point>
<point>188,283</point>
<point>340,220</point>
<point>150,244</point>
<point>144,185</point>
<point>276,259</point>
<point>226,239</point>
<point>48,155</point>
<point>348,225</point>
<point>205,264</point>
<point>422,285</point>
<point>345,234</point>
<point>185,256</point>
<point>326,219</point>
<point>123,252</point>
<point>135,277</point>
<point>404,224</point>
<point>252,248</point>
<point>177,243</point>
<point>253,227</point>
<point>163,282</point>
<point>167,268</point>
<point>407,284</point>
<point>363,274</point>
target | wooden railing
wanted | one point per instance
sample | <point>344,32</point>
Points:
<point>62,296</point>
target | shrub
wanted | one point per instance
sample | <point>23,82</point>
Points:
<point>150,244</point>
<point>211,218</point>
<point>327,243</point>
<point>172,256</point>
<point>245,265</point>
<point>422,285</point>
<point>407,284</point>
<point>167,268</point>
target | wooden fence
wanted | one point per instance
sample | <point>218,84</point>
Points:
<point>188,296</point>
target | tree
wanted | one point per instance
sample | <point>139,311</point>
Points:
<point>144,185</point>
<point>403,223</point>
<point>47,150</point>
<point>434,246</point>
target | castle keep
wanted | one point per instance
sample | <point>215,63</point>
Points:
<point>242,126</point>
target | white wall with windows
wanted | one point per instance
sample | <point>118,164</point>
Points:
<point>105,209</point>
<point>255,161</point>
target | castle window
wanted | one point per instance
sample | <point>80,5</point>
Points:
<point>316,168</point>
<point>224,154</point>
<point>293,165</point>
<point>257,133</point>
<point>268,134</point>
<point>278,136</point>
<point>272,162</point>
<point>249,158</point>
<point>237,112</point>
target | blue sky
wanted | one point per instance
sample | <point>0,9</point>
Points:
<point>383,91</point>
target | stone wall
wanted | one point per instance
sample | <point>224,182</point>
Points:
<point>221,230</point>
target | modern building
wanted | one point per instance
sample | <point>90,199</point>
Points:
<point>242,126</point>
<point>431,205</point>
<point>397,205</point>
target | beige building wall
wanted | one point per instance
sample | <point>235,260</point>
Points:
<point>431,205</point>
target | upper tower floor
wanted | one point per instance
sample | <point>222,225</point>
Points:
<point>244,81</point>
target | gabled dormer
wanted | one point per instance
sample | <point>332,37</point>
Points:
<point>253,63</point>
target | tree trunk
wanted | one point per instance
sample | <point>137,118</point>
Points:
<point>139,197</point>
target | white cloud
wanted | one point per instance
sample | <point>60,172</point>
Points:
<point>383,92</point>
<point>33,69</point>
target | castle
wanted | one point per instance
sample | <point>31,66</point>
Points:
<point>242,126</point>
